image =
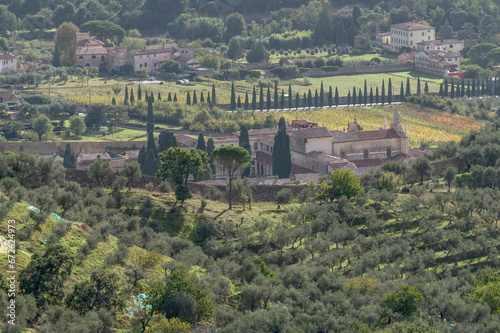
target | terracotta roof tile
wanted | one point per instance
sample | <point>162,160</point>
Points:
<point>411,26</point>
<point>166,49</point>
<point>315,132</point>
<point>340,136</point>
<point>8,97</point>
<point>186,141</point>
<point>6,55</point>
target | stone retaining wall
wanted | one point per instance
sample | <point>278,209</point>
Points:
<point>47,148</point>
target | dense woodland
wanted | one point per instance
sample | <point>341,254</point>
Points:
<point>376,254</point>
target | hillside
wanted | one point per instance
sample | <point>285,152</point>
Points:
<point>389,257</point>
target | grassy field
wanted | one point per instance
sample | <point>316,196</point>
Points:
<point>100,90</point>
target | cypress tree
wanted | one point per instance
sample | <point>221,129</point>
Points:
<point>382,93</point>
<point>125,99</point>
<point>246,101</point>
<point>132,98</point>
<point>142,156</point>
<point>195,98</point>
<point>210,149</point>
<point>360,96</point>
<point>336,97</point>
<point>353,96</point>
<point>69,161</point>
<point>441,91</point>
<point>462,93</point>
<point>254,99</point>
<point>376,95</point>
<point>151,164</point>
<point>268,99</point>
<point>169,98</point>
<point>150,122</point>
<point>297,101</point>
<point>244,142</point>
<point>330,97</point>
<point>408,89</point>
<point>276,95</point>
<point>261,99</point>
<point>401,93</point>
<point>316,101</point>
<point>214,98</point>
<point>238,105</point>
<point>419,92</point>
<point>473,88</point>
<point>371,95</point>
<point>389,92</point>
<point>188,98</point>
<point>151,145</point>
<point>113,101</point>
<point>282,99</point>
<point>348,98</point>
<point>321,95</point>
<point>166,140</point>
<point>282,158</point>
<point>56,57</point>
<point>139,93</point>
<point>426,88</point>
<point>304,101</point>
<point>452,92</point>
<point>159,96</point>
<point>290,96</point>
<point>201,143</point>
<point>309,99</point>
<point>233,98</point>
<point>175,97</point>
<point>446,88</point>
<point>152,98</point>
<point>209,102</point>
<point>365,94</point>
<point>483,89</point>
<point>202,98</point>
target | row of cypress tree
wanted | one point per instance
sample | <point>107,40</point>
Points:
<point>477,88</point>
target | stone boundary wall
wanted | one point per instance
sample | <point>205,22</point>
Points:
<point>409,66</point>
<point>46,148</point>
<point>260,192</point>
<point>440,167</point>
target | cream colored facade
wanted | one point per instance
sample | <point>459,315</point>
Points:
<point>408,34</point>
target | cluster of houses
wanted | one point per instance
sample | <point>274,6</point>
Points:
<point>315,150</point>
<point>91,52</point>
<point>438,57</point>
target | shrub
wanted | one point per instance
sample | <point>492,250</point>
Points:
<point>149,186</point>
<point>330,68</point>
<point>214,193</point>
<point>165,187</point>
<point>283,196</point>
<point>256,73</point>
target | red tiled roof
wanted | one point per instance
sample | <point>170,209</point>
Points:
<point>384,34</point>
<point>166,49</point>
<point>261,131</point>
<point>186,141</point>
<point>411,26</point>
<point>315,132</point>
<point>6,55</point>
<point>341,136</point>
<point>89,42</point>
<point>8,97</point>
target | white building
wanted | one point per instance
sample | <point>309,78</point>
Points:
<point>408,34</point>
<point>8,61</point>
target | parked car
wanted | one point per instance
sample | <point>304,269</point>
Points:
<point>151,78</point>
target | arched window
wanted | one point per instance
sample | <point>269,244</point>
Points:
<point>93,57</point>
<point>88,65</point>
<point>80,57</point>
<point>102,58</point>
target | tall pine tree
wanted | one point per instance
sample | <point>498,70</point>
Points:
<point>254,99</point>
<point>69,158</point>
<point>408,89</point>
<point>150,125</point>
<point>389,92</point>
<point>233,98</point>
<point>282,158</point>
<point>365,94</point>
<point>139,93</point>
<point>201,143</point>
<point>125,99</point>
<point>244,142</point>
